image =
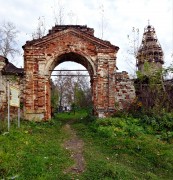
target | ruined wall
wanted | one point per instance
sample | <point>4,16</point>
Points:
<point>2,86</point>
<point>14,81</point>
<point>124,91</point>
<point>7,75</point>
<point>77,44</point>
<point>158,95</point>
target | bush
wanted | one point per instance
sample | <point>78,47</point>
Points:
<point>112,127</point>
<point>162,124</point>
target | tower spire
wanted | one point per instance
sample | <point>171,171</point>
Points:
<point>150,49</point>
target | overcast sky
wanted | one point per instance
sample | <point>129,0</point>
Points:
<point>119,17</point>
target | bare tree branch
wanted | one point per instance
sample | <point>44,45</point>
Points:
<point>73,89</point>
<point>8,35</point>
<point>58,13</point>
<point>41,29</point>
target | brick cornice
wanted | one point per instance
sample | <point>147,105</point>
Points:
<point>57,36</point>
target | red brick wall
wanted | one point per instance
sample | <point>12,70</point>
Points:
<point>43,55</point>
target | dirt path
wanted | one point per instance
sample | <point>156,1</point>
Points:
<point>75,145</point>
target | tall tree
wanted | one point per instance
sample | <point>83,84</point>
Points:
<point>41,29</point>
<point>8,42</point>
<point>103,20</point>
<point>73,88</point>
<point>58,12</point>
<point>54,97</point>
<point>133,43</point>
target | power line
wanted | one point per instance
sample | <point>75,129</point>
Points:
<point>68,75</point>
<point>69,70</point>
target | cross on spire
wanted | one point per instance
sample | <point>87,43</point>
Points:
<point>148,22</point>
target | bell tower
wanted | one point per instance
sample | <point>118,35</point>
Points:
<point>150,50</point>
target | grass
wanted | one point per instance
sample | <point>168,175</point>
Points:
<point>34,152</point>
<point>131,154</point>
<point>78,114</point>
<point>3,125</point>
<point>115,148</point>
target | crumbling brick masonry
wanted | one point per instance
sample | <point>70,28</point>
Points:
<point>78,44</point>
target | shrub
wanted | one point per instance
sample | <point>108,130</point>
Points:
<point>162,124</point>
<point>111,127</point>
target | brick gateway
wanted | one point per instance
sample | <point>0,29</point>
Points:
<point>110,90</point>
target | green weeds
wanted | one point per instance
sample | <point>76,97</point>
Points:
<point>66,116</point>
<point>33,152</point>
<point>122,147</point>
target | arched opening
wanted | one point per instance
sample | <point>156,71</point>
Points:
<point>74,57</point>
<point>71,84</point>
<point>63,44</point>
